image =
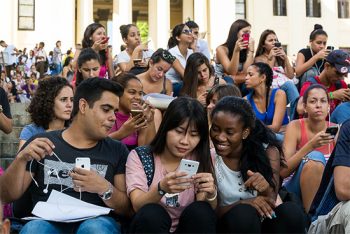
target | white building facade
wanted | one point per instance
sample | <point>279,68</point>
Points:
<point>27,22</point>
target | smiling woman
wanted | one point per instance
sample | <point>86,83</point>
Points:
<point>134,123</point>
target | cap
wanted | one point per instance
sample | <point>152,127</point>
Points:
<point>340,59</point>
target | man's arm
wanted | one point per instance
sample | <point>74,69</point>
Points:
<point>5,123</point>
<point>16,180</point>
<point>342,182</point>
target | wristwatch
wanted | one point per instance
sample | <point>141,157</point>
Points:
<point>161,192</point>
<point>108,194</point>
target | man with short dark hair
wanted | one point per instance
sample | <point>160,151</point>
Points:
<point>337,66</point>
<point>198,44</point>
<point>47,161</point>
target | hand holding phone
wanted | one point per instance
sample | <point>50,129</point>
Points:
<point>83,163</point>
<point>332,130</point>
<point>105,40</point>
<point>188,166</point>
<point>330,48</point>
<point>245,37</point>
<point>278,44</point>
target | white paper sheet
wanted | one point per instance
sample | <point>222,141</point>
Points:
<point>63,208</point>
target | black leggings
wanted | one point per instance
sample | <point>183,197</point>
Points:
<point>244,218</point>
<point>198,217</point>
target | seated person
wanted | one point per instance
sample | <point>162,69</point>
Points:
<point>4,224</point>
<point>134,124</point>
<point>268,104</point>
<point>199,78</point>
<point>307,147</point>
<point>53,154</point>
<point>336,66</point>
<point>247,159</point>
<point>164,201</point>
<point>330,209</point>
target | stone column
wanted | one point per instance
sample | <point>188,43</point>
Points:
<point>84,17</point>
<point>159,23</point>
<point>122,14</point>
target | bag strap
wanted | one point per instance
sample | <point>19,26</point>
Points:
<point>147,160</point>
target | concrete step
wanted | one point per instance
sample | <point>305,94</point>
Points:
<point>13,136</point>
<point>21,120</point>
<point>8,149</point>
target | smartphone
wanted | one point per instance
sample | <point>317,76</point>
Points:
<point>188,166</point>
<point>333,130</point>
<point>245,36</point>
<point>83,163</point>
<point>105,40</point>
<point>135,112</point>
<point>137,62</point>
<point>331,48</point>
<point>278,44</point>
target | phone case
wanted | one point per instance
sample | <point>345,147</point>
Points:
<point>333,130</point>
<point>245,37</point>
<point>188,166</point>
<point>83,163</point>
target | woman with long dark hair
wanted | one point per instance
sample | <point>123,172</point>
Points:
<point>236,54</point>
<point>248,159</point>
<point>167,201</point>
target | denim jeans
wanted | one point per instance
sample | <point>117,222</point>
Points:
<point>177,88</point>
<point>292,97</point>
<point>101,224</point>
<point>341,113</point>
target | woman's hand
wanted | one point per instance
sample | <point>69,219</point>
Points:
<point>240,45</point>
<point>202,98</point>
<point>204,182</point>
<point>256,181</point>
<point>251,43</point>
<point>174,183</point>
<point>321,54</point>
<point>134,123</point>
<point>321,139</point>
<point>148,111</point>
<point>99,45</point>
<point>264,205</point>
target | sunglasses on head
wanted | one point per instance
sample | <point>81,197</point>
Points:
<point>187,31</point>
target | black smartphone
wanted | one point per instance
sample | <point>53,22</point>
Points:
<point>331,48</point>
<point>333,130</point>
<point>278,44</point>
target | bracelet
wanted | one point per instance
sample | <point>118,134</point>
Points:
<point>331,95</point>
<point>213,198</point>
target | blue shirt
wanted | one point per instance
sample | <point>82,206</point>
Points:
<point>267,117</point>
<point>30,130</point>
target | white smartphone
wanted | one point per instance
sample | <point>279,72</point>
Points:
<point>188,166</point>
<point>83,163</point>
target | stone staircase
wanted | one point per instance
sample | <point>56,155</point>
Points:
<point>9,142</point>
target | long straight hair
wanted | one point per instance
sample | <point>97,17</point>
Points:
<point>179,111</point>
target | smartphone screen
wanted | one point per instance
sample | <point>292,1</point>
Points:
<point>333,130</point>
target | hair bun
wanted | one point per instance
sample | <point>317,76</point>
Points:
<point>318,26</point>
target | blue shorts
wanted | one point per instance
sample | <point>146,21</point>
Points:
<point>293,185</point>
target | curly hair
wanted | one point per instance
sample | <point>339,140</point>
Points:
<point>41,108</point>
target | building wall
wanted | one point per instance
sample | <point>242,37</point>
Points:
<point>55,20</point>
<point>52,22</point>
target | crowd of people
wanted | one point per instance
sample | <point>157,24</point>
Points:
<point>270,138</point>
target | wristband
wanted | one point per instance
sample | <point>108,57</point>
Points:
<point>331,95</point>
<point>213,198</point>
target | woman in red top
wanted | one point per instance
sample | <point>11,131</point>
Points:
<point>307,146</point>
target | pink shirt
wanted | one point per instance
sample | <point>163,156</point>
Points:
<point>121,119</point>
<point>136,179</point>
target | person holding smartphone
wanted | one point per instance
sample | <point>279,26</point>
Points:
<point>168,202</point>
<point>95,37</point>
<point>136,52</point>
<point>247,161</point>
<point>308,145</point>
<point>134,124</point>
<point>270,51</point>
<point>236,54</point>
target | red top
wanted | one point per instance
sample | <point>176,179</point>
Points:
<point>326,150</point>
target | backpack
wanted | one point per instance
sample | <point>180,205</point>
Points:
<point>146,156</point>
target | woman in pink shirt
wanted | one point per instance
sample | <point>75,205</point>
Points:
<point>162,199</point>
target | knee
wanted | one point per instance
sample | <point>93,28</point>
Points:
<point>102,224</point>
<point>151,213</point>
<point>313,167</point>
<point>291,216</point>
<point>241,215</point>
<point>37,226</point>
<point>200,210</point>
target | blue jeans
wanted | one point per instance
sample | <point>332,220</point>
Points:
<point>101,224</point>
<point>341,113</point>
<point>293,185</point>
<point>292,97</point>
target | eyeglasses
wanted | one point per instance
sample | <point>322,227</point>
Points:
<point>187,31</point>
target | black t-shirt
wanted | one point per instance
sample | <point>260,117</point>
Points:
<point>108,158</point>
<point>4,102</point>
<point>319,65</point>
